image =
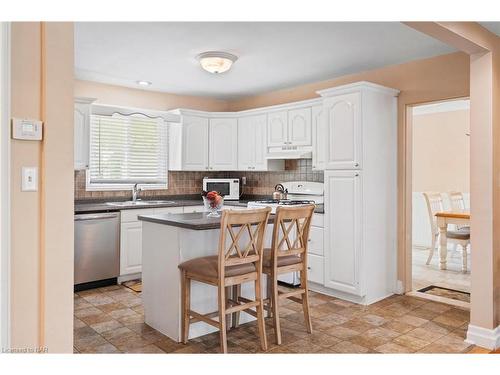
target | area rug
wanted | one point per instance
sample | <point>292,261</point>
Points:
<point>135,285</point>
<point>446,293</point>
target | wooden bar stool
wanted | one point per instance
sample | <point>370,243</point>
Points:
<point>234,265</point>
<point>288,253</point>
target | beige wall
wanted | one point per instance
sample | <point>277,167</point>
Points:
<point>25,207</point>
<point>42,221</point>
<point>441,154</point>
<point>128,97</point>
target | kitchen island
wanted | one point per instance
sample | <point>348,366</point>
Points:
<point>168,240</point>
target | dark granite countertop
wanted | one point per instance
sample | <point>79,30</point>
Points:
<point>174,201</point>
<point>194,221</point>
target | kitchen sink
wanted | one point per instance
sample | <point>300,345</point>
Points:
<point>139,203</point>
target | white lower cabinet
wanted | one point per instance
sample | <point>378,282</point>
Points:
<point>315,269</point>
<point>131,237</point>
<point>130,248</point>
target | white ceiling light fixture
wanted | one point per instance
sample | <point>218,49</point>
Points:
<point>216,62</point>
<point>143,83</point>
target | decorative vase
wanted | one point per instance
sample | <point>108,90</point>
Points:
<point>213,206</point>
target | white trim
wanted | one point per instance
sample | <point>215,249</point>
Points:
<point>108,110</point>
<point>446,106</point>
<point>5,185</point>
<point>249,112</point>
<point>357,86</point>
<point>483,337</point>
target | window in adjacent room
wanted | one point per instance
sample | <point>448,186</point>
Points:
<point>125,150</point>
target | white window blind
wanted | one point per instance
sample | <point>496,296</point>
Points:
<point>128,150</point>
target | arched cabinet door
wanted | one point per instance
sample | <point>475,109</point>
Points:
<point>195,143</point>
<point>277,129</point>
<point>299,127</point>
<point>344,131</point>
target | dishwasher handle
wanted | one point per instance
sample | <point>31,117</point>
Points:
<point>86,217</point>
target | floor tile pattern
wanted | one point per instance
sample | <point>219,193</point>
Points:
<point>111,320</point>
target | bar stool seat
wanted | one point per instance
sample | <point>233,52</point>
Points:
<point>206,268</point>
<point>282,261</point>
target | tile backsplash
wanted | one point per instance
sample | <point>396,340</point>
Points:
<point>181,183</point>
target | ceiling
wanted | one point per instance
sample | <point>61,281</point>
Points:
<point>494,27</point>
<point>272,55</point>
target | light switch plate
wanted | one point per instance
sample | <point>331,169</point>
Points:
<point>28,130</point>
<point>29,179</point>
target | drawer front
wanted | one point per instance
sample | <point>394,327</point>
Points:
<point>191,209</point>
<point>316,244</point>
<point>128,216</point>
<point>169,210</point>
<point>318,220</point>
<point>315,270</point>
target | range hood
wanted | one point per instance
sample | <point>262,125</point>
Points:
<point>290,154</point>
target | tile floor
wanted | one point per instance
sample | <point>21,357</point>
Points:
<point>425,275</point>
<point>111,320</point>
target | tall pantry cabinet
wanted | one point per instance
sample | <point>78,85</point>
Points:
<point>360,160</point>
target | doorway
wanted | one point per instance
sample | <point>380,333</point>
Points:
<point>440,176</point>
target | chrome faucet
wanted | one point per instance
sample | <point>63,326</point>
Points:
<point>135,191</point>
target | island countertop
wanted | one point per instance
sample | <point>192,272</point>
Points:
<point>193,220</point>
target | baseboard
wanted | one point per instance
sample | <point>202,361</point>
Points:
<point>133,276</point>
<point>483,337</point>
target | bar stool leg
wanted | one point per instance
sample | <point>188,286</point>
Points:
<point>275,304</point>
<point>236,295</point>
<point>222,319</point>
<point>260,315</point>
<point>269,296</point>
<point>305,300</point>
<point>185,301</point>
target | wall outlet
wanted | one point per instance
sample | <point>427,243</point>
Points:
<point>243,180</point>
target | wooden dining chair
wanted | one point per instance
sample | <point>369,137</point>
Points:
<point>239,260</point>
<point>434,202</point>
<point>288,253</point>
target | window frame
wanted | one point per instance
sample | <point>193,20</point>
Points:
<point>108,110</point>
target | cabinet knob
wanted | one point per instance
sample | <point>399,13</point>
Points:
<point>356,175</point>
<point>308,267</point>
<point>356,165</point>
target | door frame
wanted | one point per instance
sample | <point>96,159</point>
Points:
<point>5,50</point>
<point>408,189</point>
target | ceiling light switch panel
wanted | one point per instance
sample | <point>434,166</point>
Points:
<point>29,179</point>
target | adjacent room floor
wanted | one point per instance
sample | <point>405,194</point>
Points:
<point>111,320</point>
<point>426,275</point>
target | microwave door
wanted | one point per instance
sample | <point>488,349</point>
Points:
<point>222,187</point>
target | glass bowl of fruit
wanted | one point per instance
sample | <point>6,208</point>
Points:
<point>213,202</point>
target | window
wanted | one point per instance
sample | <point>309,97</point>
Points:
<point>125,150</point>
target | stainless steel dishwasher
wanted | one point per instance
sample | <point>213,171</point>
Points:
<point>97,249</point>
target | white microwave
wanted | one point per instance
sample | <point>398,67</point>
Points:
<point>229,188</point>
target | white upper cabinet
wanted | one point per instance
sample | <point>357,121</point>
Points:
<point>252,143</point>
<point>223,147</point>
<point>318,138</point>
<point>344,235</point>
<point>277,129</point>
<point>343,131</point>
<point>299,127</point>
<point>82,111</point>
<point>194,143</point>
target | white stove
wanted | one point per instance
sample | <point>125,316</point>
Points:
<point>299,193</point>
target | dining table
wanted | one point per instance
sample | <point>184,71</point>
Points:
<point>457,217</point>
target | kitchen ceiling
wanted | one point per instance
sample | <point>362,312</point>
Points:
<point>494,27</point>
<point>271,55</point>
